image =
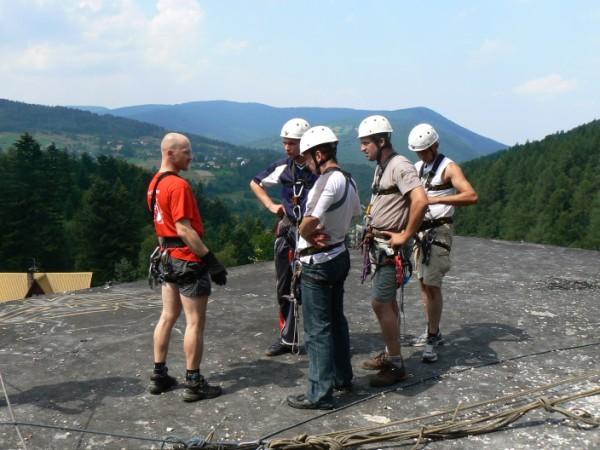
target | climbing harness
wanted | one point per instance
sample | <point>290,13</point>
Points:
<point>367,239</point>
<point>431,174</point>
<point>295,295</point>
<point>160,266</point>
<point>423,243</point>
<point>427,235</point>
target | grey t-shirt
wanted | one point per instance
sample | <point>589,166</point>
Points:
<point>390,211</point>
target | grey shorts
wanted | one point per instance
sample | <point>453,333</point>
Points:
<point>190,277</point>
<point>384,284</point>
<point>439,261</point>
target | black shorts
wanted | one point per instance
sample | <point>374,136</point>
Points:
<point>190,277</point>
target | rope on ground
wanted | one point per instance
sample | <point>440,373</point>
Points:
<point>483,422</point>
<point>437,376</point>
<point>506,399</point>
<point>10,411</point>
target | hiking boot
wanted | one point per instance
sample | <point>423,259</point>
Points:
<point>429,354</point>
<point>278,348</point>
<point>301,402</point>
<point>161,381</point>
<point>422,340</point>
<point>388,376</point>
<point>377,362</point>
<point>345,388</point>
<point>197,388</point>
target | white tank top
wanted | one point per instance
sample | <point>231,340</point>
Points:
<point>439,210</point>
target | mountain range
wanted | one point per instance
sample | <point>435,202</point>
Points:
<point>257,125</point>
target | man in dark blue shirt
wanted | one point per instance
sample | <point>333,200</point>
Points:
<point>295,180</point>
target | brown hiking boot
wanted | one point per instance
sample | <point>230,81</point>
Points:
<point>377,362</point>
<point>388,376</point>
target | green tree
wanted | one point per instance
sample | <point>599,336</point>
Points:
<point>105,230</point>
<point>31,215</point>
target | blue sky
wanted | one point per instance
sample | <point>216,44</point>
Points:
<point>512,70</point>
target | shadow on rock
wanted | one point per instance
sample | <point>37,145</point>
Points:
<point>261,372</point>
<point>467,347</point>
<point>75,397</point>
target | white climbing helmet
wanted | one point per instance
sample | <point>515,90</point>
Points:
<point>294,128</point>
<point>316,136</point>
<point>422,137</point>
<point>374,125</point>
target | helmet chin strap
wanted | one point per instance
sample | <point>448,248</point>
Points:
<point>318,165</point>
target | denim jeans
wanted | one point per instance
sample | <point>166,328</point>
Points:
<point>325,326</point>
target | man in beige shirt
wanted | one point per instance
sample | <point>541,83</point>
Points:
<point>398,204</point>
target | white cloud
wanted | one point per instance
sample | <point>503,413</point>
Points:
<point>552,84</point>
<point>490,51</point>
<point>233,45</point>
<point>174,30</point>
<point>92,5</point>
<point>36,57</point>
<point>112,49</point>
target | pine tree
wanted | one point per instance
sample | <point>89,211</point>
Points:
<point>105,230</point>
<point>24,212</point>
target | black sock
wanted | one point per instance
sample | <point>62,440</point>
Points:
<point>430,334</point>
<point>192,373</point>
<point>160,366</point>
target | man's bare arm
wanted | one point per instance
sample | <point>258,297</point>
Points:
<point>191,238</point>
<point>264,198</point>
<point>465,194</point>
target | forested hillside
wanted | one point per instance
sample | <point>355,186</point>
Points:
<point>82,131</point>
<point>78,212</point>
<point>546,192</point>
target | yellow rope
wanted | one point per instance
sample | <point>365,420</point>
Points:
<point>451,428</point>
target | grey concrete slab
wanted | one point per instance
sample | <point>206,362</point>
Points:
<point>517,316</point>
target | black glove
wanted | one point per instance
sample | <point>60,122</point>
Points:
<point>217,271</point>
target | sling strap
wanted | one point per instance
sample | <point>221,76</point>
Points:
<point>381,170</point>
<point>431,175</point>
<point>390,190</point>
<point>349,182</point>
<point>160,177</point>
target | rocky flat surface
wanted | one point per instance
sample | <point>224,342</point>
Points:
<point>516,317</point>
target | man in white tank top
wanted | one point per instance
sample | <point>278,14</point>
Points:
<point>446,187</point>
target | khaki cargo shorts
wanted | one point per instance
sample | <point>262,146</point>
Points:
<point>439,261</point>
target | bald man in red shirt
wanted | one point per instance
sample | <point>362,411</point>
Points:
<point>187,268</point>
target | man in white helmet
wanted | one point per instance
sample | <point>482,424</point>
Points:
<point>398,204</point>
<point>295,180</point>
<point>446,187</point>
<point>332,203</point>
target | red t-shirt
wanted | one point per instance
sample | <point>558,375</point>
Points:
<point>175,201</point>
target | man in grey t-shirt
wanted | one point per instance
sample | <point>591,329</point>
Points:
<point>398,205</point>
